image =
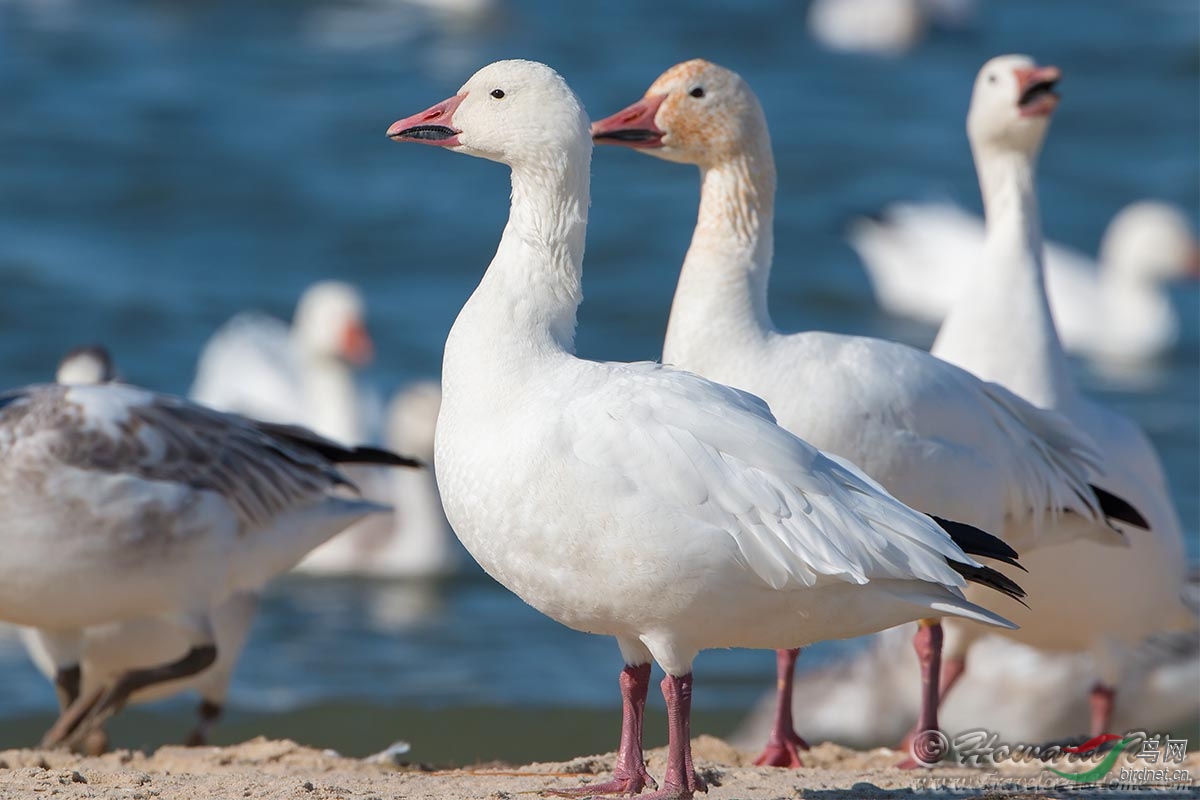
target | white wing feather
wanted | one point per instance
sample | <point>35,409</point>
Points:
<point>715,455</point>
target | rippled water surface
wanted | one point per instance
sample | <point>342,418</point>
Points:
<point>166,164</point>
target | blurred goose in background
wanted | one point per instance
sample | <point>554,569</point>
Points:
<point>139,528</point>
<point>882,27</point>
<point>414,540</point>
<point>636,500</point>
<point>304,374</point>
<point>1020,693</point>
<point>1104,601</point>
<point>90,363</point>
<point>938,438</point>
<point>919,258</point>
<point>108,651</point>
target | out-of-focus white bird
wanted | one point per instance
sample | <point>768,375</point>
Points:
<point>112,649</point>
<point>882,27</point>
<point>919,258</point>
<point>304,374</point>
<point>139,528</point>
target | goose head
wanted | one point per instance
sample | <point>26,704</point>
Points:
<point>1011,104</point>
<point>84,365</point>
<point>696,112</point>
<point>330,323</point>
<point>519,113</point>
<point>1152,243</point>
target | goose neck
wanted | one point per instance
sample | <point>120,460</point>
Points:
<point>722,289</point>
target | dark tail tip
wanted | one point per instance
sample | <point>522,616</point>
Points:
<point>1120,510</point>
<point>986,576</point>
<point>975,542</point>
<point>334,452</point>
<point>377,455</point>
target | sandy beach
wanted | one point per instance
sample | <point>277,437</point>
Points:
<point>264,768</point>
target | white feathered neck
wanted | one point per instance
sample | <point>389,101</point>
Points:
<point>524,309</point>
<point>1001,327</point>
<point>721,298</point>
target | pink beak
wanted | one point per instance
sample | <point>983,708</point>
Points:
<point>433,126</point>
<point>1036,88</point>
<point>356,344</point>
<point>632,126</point>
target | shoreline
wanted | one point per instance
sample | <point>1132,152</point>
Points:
<point>269,768</point>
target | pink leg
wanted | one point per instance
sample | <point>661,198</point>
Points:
<point>925,743</point>
<point>782,747</point>
<point>681,781</point>
<point>629,776</point>
<point>1102,699</point>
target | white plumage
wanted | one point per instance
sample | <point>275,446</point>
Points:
<point>919,259</point>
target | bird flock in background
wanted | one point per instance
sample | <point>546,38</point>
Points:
<point>756,488</point>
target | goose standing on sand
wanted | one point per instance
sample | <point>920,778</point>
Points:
<point>110,650</point>
<point>918,257</point>
<point>1001,329</point>
<point>124,505</point>
<point>305,374</point>
<point>636,500</point>
<point>937,437</point>
<point>414,540</point>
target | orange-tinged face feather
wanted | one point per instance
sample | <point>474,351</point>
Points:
<point>718,124</point>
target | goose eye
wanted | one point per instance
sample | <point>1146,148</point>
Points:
<point>498,94</point>
<point>992,78</point>
<point>697,92</point>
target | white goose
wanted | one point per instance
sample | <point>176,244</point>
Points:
<point>937,437</point>
<point>414,540</point>
<point>304,374</point>
<point>1116,310</point>
<point>123,505</point>
<point>634,500</point>
<point>1104,602</point>
<point>108,651</point>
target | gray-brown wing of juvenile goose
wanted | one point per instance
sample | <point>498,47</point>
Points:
<point>119,503</point>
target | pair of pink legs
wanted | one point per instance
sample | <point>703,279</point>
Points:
<point>630,776</point>
<point>784,744</point>
<point>938,677</point>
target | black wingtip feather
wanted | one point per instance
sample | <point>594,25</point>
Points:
<point>1120,510</point>
<point>334,452</point>
<point>975,542</point>
<point>986,576</point>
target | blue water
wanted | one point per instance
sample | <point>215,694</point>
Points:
<point>166,164</point>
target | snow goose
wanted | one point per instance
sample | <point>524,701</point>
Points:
<point>415,540</point>
<point>122,504</point>
<point>1001,329</point>
<point>305,374</point>
<point>1116,310</point>
<point>937,437</point>
<point>636,500</point>
<point>110,650</point>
